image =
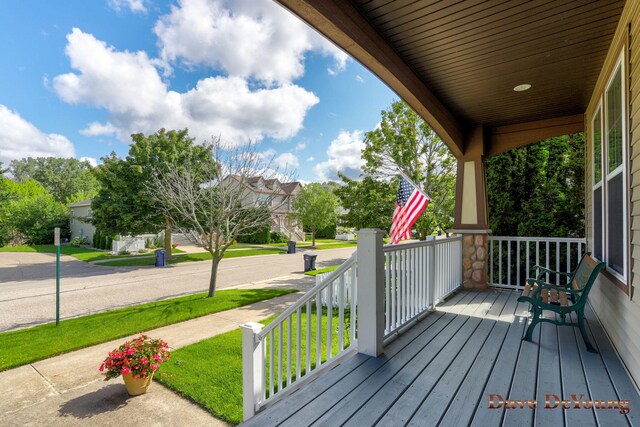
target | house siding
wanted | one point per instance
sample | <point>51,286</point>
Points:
<point>619,312</point>
<point>79,228</point>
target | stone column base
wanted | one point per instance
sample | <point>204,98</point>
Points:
<point>474,260</point>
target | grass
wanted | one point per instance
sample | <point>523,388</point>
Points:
<point>321,270</point>
<point>200,256</point>
<point>82,253</point>
<point>210,372</point>
<point>25,346</point>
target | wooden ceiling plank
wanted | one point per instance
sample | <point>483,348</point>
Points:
<point>418,10</point>
<point>478,46</point>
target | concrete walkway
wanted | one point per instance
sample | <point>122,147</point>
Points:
<point>68,390</point>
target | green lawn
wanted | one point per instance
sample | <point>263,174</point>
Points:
<point>81,253</point>
<point>200,256</point>
<point>40,342</point>
<point>210,372</point>
<point>321,270</point>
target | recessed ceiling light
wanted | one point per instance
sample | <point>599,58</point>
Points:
<point>522,88</point>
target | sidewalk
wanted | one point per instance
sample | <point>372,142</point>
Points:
<point>68,390</point>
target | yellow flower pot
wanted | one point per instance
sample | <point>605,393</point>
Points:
<point>136,387</point>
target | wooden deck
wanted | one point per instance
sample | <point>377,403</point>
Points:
<point>442,371</point>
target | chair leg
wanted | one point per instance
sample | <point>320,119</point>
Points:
<point>534,321</point>
<point>583,332</point>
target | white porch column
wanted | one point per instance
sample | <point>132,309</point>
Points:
<point>253,380</point>
<point>370,292</point>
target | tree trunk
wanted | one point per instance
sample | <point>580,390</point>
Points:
<point>313,239</point>
<point>167,236</point>
<point>214,276</point>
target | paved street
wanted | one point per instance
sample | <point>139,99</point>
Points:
<point>27,282</point>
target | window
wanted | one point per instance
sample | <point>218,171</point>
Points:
<point>610,178</point>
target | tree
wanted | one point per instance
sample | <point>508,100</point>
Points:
<point>28,213</point>
<point>368,203</point>
<point>315,206</point>
<point>209,201</point>
<point>538,190</point>
<point>125,202</point>
<point>68,180</point>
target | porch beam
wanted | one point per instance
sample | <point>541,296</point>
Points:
<point>505,138</point>
<point>341,23</point>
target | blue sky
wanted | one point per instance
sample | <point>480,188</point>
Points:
<point>78,77</point>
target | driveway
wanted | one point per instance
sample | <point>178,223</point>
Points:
<point>27,282</point>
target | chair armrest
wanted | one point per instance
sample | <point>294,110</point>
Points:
<point>540,270</point>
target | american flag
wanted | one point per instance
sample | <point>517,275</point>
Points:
<point>410,203</point>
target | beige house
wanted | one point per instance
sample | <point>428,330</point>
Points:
<point>279,196</point>
<point>80,212</point>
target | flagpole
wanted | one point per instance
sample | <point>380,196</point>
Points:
<point>413,183</point>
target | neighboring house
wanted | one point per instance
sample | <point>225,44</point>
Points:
<point>280,196</point>
<point>487,77</point>
<point>80,214</point>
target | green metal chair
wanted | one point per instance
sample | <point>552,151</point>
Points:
<point>562,300</point>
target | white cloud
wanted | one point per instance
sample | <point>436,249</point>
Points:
<point>310,159</point>
<point>256,39</point>
<point>129,87</point>
<point>92,160</point>
<point>301,146</point>
<point>95,129</point>
<point>287,161</point>
<point>132,5</point>
<point>359,79</point>
<point>19,139</point>
<point>344,155</point>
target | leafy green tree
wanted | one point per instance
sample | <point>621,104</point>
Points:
<point>68,180</point>
<point>368,203</point>
<point>28,213</point>
<point>402,142</point>
<point>316,207</point>
<point>538,190</point>
<point>125,203</point>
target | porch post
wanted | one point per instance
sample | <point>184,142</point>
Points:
<point>253,379</point>
<point>370,296</point>
<point>471,219</point>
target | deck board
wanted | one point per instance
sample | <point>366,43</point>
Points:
<point>442,370</point>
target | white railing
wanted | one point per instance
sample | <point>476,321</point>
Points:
<point>512,259</point>
<point>305,337</point>
<point>417,277</point>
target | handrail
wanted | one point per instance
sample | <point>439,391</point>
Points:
<point>311,293</point>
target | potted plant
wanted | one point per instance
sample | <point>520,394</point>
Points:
<point>136,360</point>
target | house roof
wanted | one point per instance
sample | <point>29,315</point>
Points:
<point>457,62</point>
<point>286,188</point>
<point>80,204</point>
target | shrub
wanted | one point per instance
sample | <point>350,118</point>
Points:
<point>96,239</point>
<point>35,218</point>
<point>79,241</point>
<point>108,243</point>
<point>278,237</point>
<point>142,251</point>
<point>124,252</point>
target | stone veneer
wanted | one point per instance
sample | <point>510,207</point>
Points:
<point>474,261</point>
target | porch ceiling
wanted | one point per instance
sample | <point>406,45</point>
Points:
<point>461,59</point>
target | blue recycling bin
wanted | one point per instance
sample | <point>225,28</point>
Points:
<point>161,258</point>
<point>309,262</point>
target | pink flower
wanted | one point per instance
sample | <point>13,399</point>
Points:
<point>154,367</point>
<point>101,367</point>
<point>125,370</point>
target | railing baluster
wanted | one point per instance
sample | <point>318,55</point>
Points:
<point>557,262</point>
<point>508,262</point>
<point>341,315</point>
<point>289,346</point>
<point>500,262</point>
<point>318,330</point>
<point>546,264</point>
<point>308,355</point>
<point>279,379</point>
<point>387,302</point>
<point>298,342</point>
<point>353,312</point>
<point>568,259</point>
<point>518,280</point>
<point>272,344</point>
<point>537,253</point>
<point>394,290</point>
<point>329,322</point>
